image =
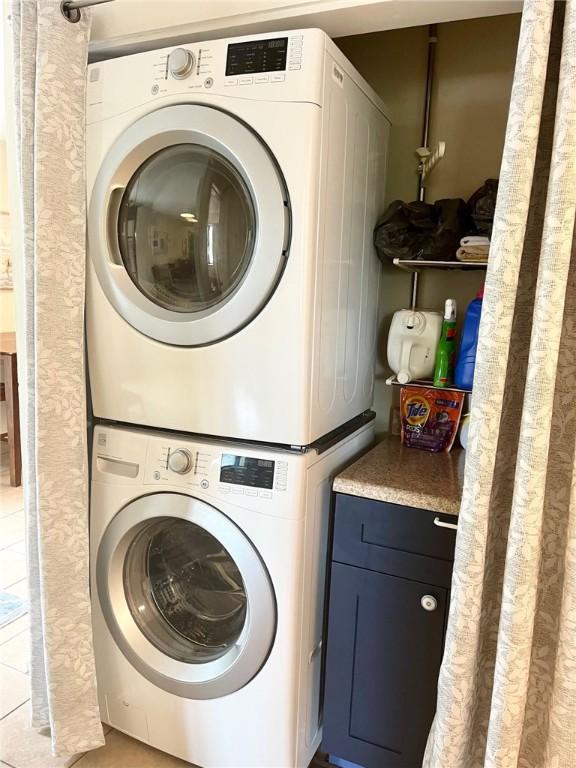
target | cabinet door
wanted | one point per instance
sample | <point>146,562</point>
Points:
<point>383,657</point>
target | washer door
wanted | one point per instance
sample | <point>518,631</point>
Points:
<point>188,225</point>
<point>185,596</point>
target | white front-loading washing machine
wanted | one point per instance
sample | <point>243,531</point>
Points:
<point>208,565</point>
<point>232,285</point>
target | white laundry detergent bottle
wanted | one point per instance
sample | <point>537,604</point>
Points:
<point>412,342</point>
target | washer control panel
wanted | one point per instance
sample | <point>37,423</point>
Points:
<point>238,471</point>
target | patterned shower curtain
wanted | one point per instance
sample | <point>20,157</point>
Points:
<point>507,689</point>
<point>50,66</point>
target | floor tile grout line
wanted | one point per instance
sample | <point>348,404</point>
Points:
<point>12,544</point>
<point>14,710</point>
<point>13,620</point>
<point>21,632</point>
<point>13,583</point>
<point>13,669</point>
<point>9,641</point>
<point>3,665</point>
<point>14,511</point>
<point>23,598</point>
<point>18,634</point>
<point>6,666</point>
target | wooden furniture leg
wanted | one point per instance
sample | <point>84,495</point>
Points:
<point>13,418</point>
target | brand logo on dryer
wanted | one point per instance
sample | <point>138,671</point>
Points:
<point>338,75</point>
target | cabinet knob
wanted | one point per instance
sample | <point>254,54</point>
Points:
<point>429,602</point>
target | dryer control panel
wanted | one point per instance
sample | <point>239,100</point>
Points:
<point>248,62</point>
<point>279,67</point>
<point>254,56</point>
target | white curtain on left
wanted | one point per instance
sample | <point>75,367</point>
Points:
<point>50,56</point>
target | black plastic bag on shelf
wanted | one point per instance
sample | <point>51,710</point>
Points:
<point>429,231</point>
<point>482,205</point>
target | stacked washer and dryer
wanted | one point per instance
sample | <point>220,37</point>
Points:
<point>231,326</point>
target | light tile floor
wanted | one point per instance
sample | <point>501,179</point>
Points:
<point>20,745</point>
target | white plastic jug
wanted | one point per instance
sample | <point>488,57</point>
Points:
<point>412,341</point>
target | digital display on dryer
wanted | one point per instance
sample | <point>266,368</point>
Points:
<point>257,56</point>
<point>244,470</point>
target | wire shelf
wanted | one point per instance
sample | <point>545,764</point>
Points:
<point>415,265</point>
<point>392,381</point>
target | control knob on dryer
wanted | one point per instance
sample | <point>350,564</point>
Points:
<point>181,63</point>
<point>180,461</point>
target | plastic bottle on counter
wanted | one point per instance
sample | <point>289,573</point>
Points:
<point>464,371</point>
<point>446,347</point>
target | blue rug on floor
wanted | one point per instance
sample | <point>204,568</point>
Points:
<point>11,607</point>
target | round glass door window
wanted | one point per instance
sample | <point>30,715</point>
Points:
<point>187,228</point>
<point>184,590</point>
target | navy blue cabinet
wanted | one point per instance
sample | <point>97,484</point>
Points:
<point>388,605</point>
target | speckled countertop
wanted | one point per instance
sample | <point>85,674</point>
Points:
<point>415,478</point>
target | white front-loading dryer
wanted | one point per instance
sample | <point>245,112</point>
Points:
<point>232,285</point>
<point>208,563</point>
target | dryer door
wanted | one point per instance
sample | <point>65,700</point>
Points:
<point>185,595</point>
<point>188,225</point>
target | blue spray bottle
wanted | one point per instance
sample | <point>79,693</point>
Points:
<point>464,371</point>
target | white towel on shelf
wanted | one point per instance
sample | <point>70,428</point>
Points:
<point>477,253</point>
<point>474,240</point>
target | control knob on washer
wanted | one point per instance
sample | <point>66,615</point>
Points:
<point>180,63</point>
<point>180,461</point>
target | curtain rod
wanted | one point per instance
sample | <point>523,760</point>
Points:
<point>71,8</point>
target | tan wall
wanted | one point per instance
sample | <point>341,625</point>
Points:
<point>473,77</point>
<point>7,319</point>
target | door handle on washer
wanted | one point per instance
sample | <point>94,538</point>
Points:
<point>442,524</point>
<point>114,201</point>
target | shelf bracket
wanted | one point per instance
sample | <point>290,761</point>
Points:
<point>429,159</point>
